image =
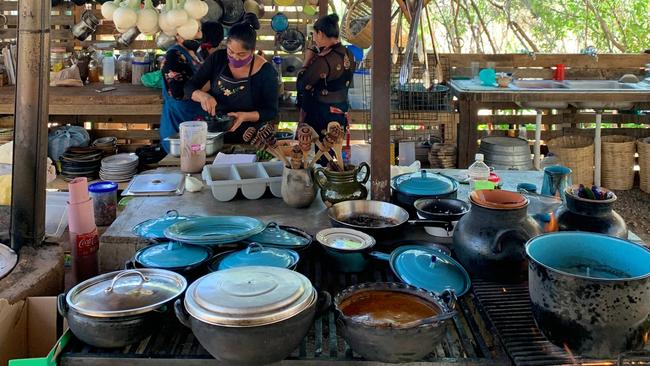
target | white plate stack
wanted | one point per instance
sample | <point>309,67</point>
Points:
<point>119,168</point>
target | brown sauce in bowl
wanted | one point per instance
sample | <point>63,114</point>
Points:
<point>387,308</point>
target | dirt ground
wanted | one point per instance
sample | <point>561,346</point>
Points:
<point>634,206</point>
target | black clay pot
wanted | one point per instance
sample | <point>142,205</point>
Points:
<point>112,332</point>
<point>590,292</point>
<point>489,240</point>
<point>596,216</point>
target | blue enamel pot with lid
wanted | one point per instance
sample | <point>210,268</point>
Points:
<point>255,255</point>
<point>186,259</point>
<point>590,292</point>
<point>409,187</point>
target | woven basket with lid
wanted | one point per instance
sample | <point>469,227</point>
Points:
<point>577,153</point>
<point>643,147</point>
<point>617,163</point>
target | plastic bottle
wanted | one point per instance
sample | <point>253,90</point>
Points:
<point>108,68</point>
<point>549,160</point>
<point>479,174</point>
<point>277,62</point>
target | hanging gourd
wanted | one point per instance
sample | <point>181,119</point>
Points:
<point>148,19</point>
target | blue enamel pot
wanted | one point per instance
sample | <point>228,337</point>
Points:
<point>255,255</point>
<point>590,292</point>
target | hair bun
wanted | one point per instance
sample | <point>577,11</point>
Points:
<point>251,19</point>
<point>334,17</point>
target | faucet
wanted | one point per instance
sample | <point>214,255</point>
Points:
<point>530,54</point>
<point>590,51</point>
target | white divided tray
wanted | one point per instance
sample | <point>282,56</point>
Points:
<point>226,180</point>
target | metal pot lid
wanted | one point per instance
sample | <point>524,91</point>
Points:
<point>429,269</point>
<point>279,22</point>
<point>291,65</point>
<point>292,40</point>
<point>249,296</point>
<point>155,228</point>
<point>233,11</point>
<point>424,183</point>
<point>172,255</point>
<point>8,260</point>
<point>346,240</point>
<point>125,293</point>
<point>257,255</point>
<point>279,236</point>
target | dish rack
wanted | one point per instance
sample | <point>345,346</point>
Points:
<point>252,179</point>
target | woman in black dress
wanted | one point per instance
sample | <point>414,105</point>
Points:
<point>242,84</point>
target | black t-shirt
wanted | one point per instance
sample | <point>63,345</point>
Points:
<point>264,86</point>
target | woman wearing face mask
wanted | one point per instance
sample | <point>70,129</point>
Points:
<point>242,84</point>
<point>181,63</point>
<point>325,78</point>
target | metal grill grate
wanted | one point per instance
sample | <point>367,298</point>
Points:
<point>508,309</point>
<point>469,341</point>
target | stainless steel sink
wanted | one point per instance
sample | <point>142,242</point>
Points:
<point>598,85</point>
<point>536,84</point>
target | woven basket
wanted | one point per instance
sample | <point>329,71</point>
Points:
<point>357,10</point>
<point>617,162</point>
<point>643,147</point>
<point>576,153</point>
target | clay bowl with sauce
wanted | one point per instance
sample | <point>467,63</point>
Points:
<point>393,322</point>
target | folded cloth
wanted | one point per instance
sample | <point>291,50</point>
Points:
<point>222,158</point>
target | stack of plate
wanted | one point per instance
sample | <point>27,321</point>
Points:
<point>119,168</point>
<point>108,145</point>
<point>80,162</point>
<point>442,156</point>
<point>214,230</point>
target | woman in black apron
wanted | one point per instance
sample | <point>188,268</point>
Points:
<point>242,84</point>
<point>326,77</point>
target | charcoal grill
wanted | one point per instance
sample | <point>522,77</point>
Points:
<point>494,326</point>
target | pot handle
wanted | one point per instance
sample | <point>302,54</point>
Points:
<point>181,314</point>
<point>318,173</point>
<point>123,274</point>
<point>366,176</point>
<point>497,246</point>
<point>379,255</point>
<point>324,303</point>
<point>172,214</point>
<point>62,305</point>
<point>437,223</point>
<point>254,248</point>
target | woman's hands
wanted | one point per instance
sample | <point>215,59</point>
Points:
<point>241,117</point>
<point>208,103</point>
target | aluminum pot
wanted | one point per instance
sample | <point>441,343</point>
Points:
<point>119,308</point>
<point>250,315</point>
<point>392,322</point>
<point>590,292</point>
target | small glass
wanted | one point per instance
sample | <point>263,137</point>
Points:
<point>476,68</point>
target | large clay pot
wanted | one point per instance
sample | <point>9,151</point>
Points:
<point>596,216</point>
<point>337,187</point>
<point>298,188</point>
<point>489,240</point>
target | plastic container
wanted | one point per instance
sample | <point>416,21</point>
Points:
<point>193,139</point>
<point>108,68</point>
<point>140,65</point>
<point>104,196</point>
<point>124,67</point>
<point>226,181</point>
<point>479,174</point>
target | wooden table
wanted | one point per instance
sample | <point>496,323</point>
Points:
<point>470,101</point>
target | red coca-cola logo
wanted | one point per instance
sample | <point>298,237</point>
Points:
<point>87,244</point>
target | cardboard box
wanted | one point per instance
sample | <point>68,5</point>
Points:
<point>28,329</point>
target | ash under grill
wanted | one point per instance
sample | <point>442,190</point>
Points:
<point>509,310</point>
<point>469,341</point>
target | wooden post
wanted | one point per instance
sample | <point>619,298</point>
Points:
<point>380,110</point>
<point>322,7</point>
<point>30,124</point>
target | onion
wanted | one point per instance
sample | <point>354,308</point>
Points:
<point>196,9</point>
<point>108,8</point>
<point>176,16</point>
<point>148,19</point>
<point>189,29</point>
<point>125,16</point>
